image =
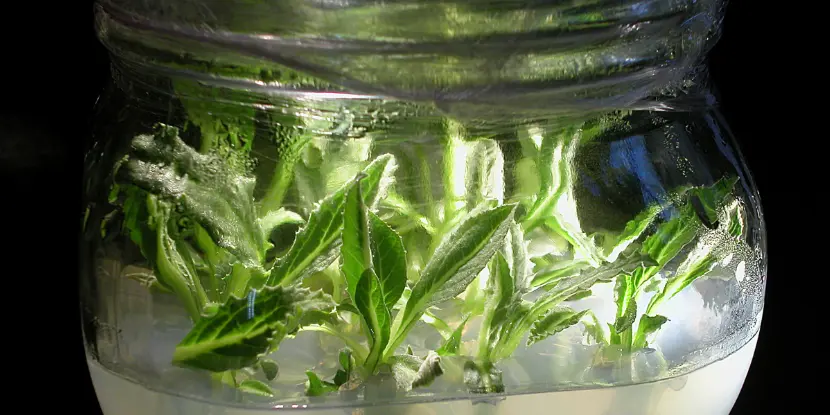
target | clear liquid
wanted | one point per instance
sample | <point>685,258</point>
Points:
<point>710,390</point>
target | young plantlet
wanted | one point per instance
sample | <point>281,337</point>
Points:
<point>374,264</point>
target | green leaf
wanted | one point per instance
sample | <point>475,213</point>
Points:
<point>244,330</point>
<point>346,366</point>
<point>549,276</point>
<point>736,220</point>
<point>269,368</point>
<point>437,323</point>
<point>460,256</point>
<point>579,295</point>
<point>355,253</point>
<point>485,172</point>
<point>688,271</point>
<point>388,259</point>
<point>648,326</point>
<point>370,301</point>
<point>589,276</point>
<point>594,330</point>
<point>633,229</point>
<point>315,246</point>
<point>276,218</point>
<point>669,239</point>
<point>316,387</point>
<point>256,387</point>
<point>711,198</point>
<point>555,321</point>
<point>626,319</point>
<point>515,252</point>
<point>499,307</point>
<point>555,207</point>
<point>204,186</point>
<point>452,345</point>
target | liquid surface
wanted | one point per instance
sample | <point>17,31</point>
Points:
<point>710,390</point>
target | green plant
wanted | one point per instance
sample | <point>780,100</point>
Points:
<point>380,259</point>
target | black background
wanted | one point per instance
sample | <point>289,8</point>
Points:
<point>54,68</point>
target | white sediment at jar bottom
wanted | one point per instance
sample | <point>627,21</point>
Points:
<point>710,390</point>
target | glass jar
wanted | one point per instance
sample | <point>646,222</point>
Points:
<point>437,207</point>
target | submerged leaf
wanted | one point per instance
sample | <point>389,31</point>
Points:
<point>555,321</point>
<point>256,387</point>
<point>316,387</point>
<point>269,368</point>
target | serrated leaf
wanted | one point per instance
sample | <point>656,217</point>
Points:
<point>485,172</point>
<point>369,300</point>
<point>626,319</point>
<point>243,330</point>
<point>203,185</point>
<point>555,321</point>
<point>388,259</point>
<point>518,258</point>
<point>711,199</point>
<point>256,387</point>
<point>269,368</point>
<point>736,221</point>
<point>589,276</point>
<point>501,301</point>
<point>688,271</point>
<point>315,246</point>
<point>579,295</point>
<point>316,387</point>
<point>633,229</point>
<point>452,345</point>
<point>457,260</point>
<point>669,239</point>
<point>648,325</point>
<point>355,253</point>
<point>549,276</point>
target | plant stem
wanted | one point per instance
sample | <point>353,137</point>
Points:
<point>289,147</point>
<point>455,157</point>
<point>238,285</point>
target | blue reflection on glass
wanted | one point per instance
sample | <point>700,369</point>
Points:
<point>631,155</point>
<point>251,298</point>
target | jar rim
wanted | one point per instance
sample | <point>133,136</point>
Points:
<point>646,56</point>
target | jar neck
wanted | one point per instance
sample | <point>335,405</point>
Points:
<point>505,57</point>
